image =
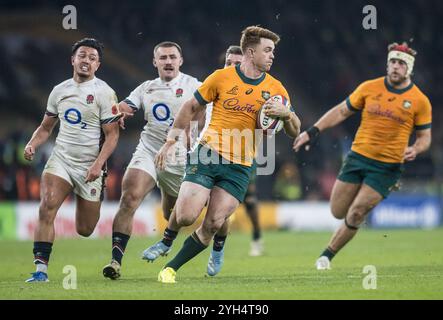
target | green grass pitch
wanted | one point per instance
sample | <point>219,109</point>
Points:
<point>409,265</point>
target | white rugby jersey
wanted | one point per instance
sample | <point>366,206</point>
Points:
<point>81,108</point>
<point>161,101</point>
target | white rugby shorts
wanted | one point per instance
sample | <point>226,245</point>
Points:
<point>75,176</point>
<point>143,159</point>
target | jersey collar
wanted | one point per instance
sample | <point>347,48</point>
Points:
<point>397,91</point>
<point>85,83</point>
<point>245,79</point>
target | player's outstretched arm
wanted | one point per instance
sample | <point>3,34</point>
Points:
<point>330,119</point>
<point>111,132</point>
<point>186,113</point>
<point>422,143</point>
<point>126,111</point>
<point>40,135</point>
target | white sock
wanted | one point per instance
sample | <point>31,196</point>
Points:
<point>42,267</point>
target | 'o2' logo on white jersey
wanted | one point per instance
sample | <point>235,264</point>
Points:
<point>161,116</point>
<point>73,116</point>
<point>162,113</point>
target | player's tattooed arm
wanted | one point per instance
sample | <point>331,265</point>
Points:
<point>40,135</point>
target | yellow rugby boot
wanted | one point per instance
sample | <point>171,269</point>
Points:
<point>167,275</point>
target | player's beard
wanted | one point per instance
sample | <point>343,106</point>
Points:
<point>398,80</point>
<point>168,76</point>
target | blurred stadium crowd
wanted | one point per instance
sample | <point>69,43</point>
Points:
<point>324,54</point>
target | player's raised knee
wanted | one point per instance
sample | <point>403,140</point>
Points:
<point>338,211</point>
<point>84,230</point>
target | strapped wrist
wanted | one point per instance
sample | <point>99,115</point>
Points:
<point>313,132</point>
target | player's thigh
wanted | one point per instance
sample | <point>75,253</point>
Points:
<point>383,178</point>
<point>92,190</point>
<point>342,197</point>
<point>191,200</point>
<point>53,191</point>
<point>141,175</point>
<point>221,205</point>
<point>234,179</point>
<point>136,185</point>
<point>366,199</point>
<point>349,180</point>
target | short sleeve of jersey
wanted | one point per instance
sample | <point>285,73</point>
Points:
<point>423,118</point>
<point>356,101</point>
<point>135,98</point>
<point>207,92</point>
<point>51,109</point>
<point>108,105</point>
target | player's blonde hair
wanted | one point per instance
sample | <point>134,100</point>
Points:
<point>251,37</point>
<point>168,44</point>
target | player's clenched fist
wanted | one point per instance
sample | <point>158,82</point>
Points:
<point>29,152</point>
<point>410,154</point>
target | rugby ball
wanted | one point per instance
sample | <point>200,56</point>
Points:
<point>268,124</point>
